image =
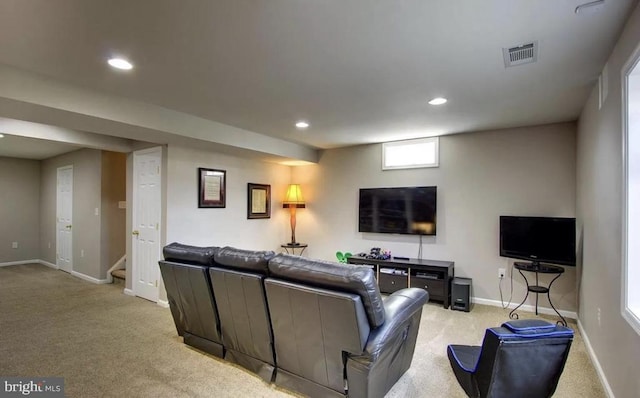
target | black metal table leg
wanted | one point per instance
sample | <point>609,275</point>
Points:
<point>564,321</point>
<point>513,314</point>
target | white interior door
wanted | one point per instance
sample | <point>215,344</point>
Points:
<point>64,219</point>
<point>146,223</point>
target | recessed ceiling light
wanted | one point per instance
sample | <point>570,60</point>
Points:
<point>301,124</point>
<point>120,63</point>
<point>437,101</point>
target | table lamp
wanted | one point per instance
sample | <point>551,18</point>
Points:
<point>293,200</point>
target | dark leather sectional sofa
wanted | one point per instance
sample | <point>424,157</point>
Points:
<point>315,327</point>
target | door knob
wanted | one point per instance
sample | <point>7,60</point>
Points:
<point>68,227</point>
<point>136,232</point>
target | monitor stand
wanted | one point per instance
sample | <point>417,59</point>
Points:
<point>536,288</point>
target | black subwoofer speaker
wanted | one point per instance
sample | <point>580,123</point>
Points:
<point>461,294</point>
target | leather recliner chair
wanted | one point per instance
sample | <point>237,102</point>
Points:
<point>334,334</point>
<point>237,281</point>
<point>188,285</point>
<point>522,358</point>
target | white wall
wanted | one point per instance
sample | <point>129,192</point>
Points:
<point>599,199</point>
<point>19,209</point>
<point>526,171</point>
<point>186,223</point>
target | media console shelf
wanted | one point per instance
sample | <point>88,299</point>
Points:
<point>395,274</point>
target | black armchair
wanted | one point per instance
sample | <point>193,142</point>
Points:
<point>522,358</point>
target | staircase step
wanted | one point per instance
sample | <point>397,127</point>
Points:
<point>119,273</point>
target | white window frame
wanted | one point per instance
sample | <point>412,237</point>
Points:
<point>408,143</point>
<point>630,270</point>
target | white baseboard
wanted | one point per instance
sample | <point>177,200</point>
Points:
<point>596,363</point>
<point>526,307</point>
<point>48,264</point>
<point>128,292</point>
<point>163,303</point>
<point>89,278</point>
<point>19,262</point>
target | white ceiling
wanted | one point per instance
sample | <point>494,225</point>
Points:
<point>14,146</point>
<point>359,71</point>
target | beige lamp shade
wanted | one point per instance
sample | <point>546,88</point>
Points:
<point>293,198</point>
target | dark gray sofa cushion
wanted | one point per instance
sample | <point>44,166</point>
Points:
<point>196,255</point>
<point>246,260</point>
<point>344,277</point>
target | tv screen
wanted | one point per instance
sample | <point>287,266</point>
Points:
<point>408,210</point>
<point>539,239</point>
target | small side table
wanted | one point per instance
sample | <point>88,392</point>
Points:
<point>537,289</point>
<point>293,247</point>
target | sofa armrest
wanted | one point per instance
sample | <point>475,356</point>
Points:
<point>399,308</point>
<point>390,347</point>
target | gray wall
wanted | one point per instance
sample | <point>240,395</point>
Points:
<point>19,209</point>
<point>599,198</point>
<point>113,221</point>
<point>526,171</point>
<point>87,164</point>
<point>186,223</point>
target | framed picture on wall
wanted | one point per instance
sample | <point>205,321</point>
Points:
<point>258,201</point>
<point>212,188</point>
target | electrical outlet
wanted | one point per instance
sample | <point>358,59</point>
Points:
<point>14,245</point>
<point>598,316</point>
<point>502,272</point>
<point>82,253</point>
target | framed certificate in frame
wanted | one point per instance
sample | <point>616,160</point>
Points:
<point>258,201</point>
<point>211,188</point>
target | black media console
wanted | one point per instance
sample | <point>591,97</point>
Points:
<point>395,274</point>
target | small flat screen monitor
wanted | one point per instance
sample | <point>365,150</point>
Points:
<point>539,239</point>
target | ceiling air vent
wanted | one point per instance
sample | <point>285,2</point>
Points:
<point>520,55</point>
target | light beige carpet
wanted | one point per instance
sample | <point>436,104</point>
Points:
<point>107,344</point>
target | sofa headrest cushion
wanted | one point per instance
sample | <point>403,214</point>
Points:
<point>197,255</point>
<point>255,261</point>
<point>342,277</point>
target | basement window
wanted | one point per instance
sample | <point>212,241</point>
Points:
<point>410,154</point>
<point>631,182</point>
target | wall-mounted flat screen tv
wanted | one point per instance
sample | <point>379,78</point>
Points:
<point>539,239</point>
<point>406,210</point>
